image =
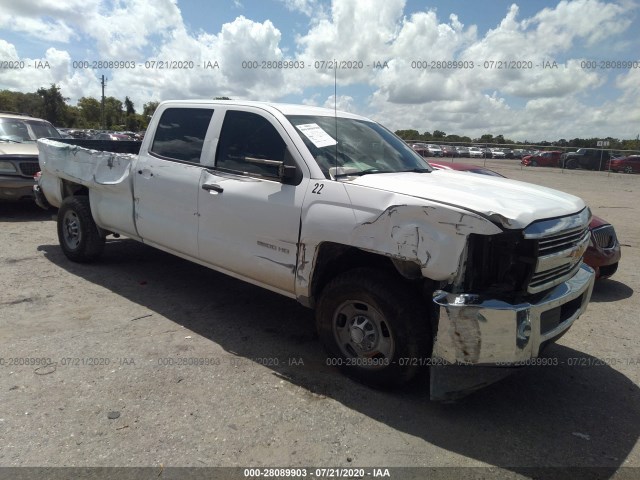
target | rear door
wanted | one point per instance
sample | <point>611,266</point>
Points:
<point>167,177</point>
<point>249,218</point>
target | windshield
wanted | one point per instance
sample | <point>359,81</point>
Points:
<point>362,147</point>
<point>20,130</point>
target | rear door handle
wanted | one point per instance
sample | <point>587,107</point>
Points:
<point>212,186</point>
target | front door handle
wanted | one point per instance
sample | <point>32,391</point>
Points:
<point>212,186</point>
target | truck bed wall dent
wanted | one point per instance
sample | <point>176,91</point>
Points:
<point>107,175</point>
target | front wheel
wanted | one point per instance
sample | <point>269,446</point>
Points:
<point>79,236</point>
<point>374,329</point>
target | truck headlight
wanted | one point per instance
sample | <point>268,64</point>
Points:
<point>7,167</point>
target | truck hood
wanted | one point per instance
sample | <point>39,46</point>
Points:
<point>509,203</point>
<point>10,148</point>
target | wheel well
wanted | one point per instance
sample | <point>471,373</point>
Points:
<point>333,259</point>
<point>70,189</point>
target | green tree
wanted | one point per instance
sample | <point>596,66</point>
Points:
<point>89,112</point>
<point>408,134</point>
<point>30,103</point>
<point>54,104</point>
<point>73,117</point>
<point>439,134</point>
<point>128,106</point>
<point>486,138</point>
<point>8,101</point>
<point>112,112</point>
<point>148,109</point>
<point>131,121</point>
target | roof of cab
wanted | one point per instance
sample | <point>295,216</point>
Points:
<point>283,108</point>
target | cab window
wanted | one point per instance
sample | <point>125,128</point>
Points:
<point>180,134</point>
<point>247,142</point>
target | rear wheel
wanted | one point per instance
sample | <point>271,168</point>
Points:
<point>79,236</point>
<point>375,328</point>
<point>628,169</point>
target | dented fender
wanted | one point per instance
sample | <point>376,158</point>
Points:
<point>432,236</point>
<point>401,227</point>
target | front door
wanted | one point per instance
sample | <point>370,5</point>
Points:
<point>249,218</point>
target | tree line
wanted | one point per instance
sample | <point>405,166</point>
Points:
<point>48,103</point>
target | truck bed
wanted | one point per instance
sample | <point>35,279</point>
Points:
<point>132,146</point>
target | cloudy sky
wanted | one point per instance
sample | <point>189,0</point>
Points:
<point>390,54</point>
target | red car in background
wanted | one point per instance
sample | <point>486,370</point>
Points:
<point>603,253</point>
<point>630,164</point>
<point>542,159</point>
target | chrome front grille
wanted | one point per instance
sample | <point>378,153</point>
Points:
<point>561,245</point>
<point>556,243</point>
<point>605,236</point>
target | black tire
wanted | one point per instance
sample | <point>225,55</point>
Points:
<point>628,169</point>
<point>78,234</point>
<point>534,163</point>
<point>571,164</point>
<point>389,340</point>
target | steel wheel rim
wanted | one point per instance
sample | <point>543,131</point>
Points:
<point>362,332</point>
<point>71,230</point>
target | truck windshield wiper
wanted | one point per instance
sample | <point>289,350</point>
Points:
<point>359,173</point>
<point>417,170</point>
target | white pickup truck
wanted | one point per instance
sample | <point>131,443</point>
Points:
<point>408,269</point>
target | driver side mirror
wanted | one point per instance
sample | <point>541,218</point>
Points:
<point>287,173</point>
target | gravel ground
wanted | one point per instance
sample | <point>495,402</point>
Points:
<point>144,359</point>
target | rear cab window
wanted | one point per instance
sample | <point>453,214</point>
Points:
<point>180,134</point>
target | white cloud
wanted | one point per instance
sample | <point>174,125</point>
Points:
<point>57,31</point>
<point>344,103</point>
<point>49,20</point>
<point>54,67</point>
<point>306,7</point>
<point>238,42</point>
<point>123,32</point>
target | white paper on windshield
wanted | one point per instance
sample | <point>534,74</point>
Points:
<point>316,134</point>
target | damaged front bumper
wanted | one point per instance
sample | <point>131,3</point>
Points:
<point>479,332</point>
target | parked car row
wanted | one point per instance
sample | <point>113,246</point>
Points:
<point>90,134</point>
<point>586,158</point>
<point>475,151</point>
<point>603,253</point>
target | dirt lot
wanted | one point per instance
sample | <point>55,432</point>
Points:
<point>144,359</point>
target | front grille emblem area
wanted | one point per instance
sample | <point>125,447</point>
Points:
<point>561,245</point>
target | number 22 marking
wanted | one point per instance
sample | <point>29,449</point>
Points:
<point>317,188</point>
